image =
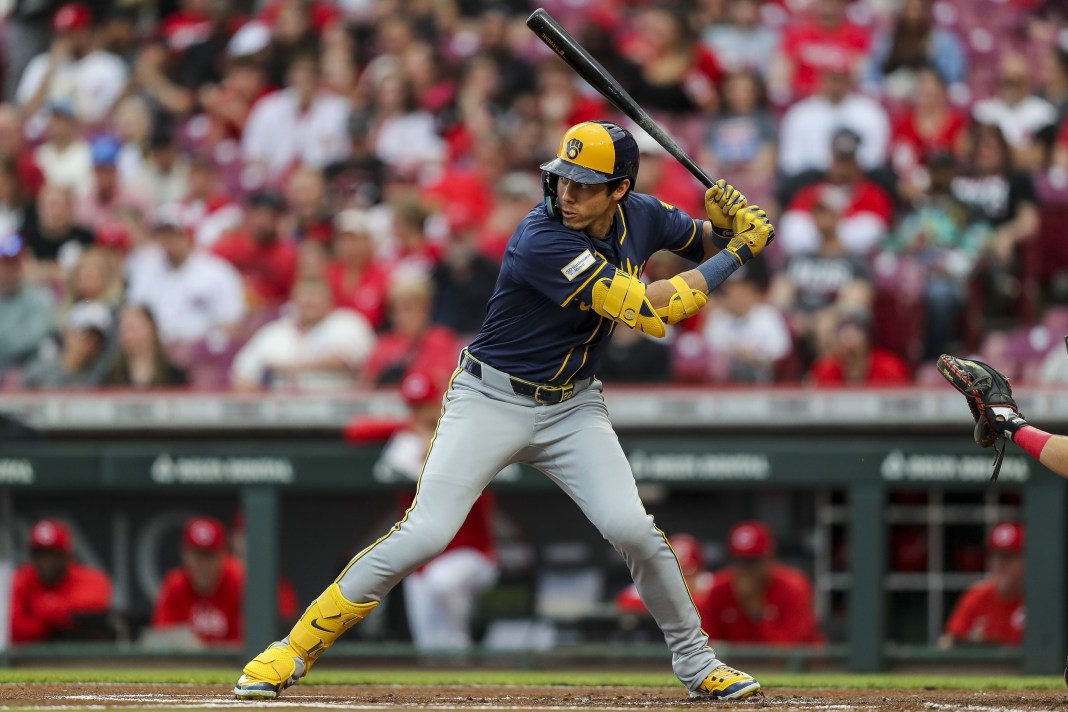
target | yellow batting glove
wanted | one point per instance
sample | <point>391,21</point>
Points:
<point>722,203</point>
<point>753,232</point>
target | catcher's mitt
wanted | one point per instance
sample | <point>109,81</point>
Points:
<point>983,386</point>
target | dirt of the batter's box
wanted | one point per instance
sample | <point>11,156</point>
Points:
<point>518,697</point>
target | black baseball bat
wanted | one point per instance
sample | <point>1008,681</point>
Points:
<point>576,56</point>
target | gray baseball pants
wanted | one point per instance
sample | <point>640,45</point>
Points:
<point>485,427</point>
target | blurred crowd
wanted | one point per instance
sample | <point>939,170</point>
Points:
<point>314,194</point>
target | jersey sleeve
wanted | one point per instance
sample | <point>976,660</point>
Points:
<point>169,609</point>
<point>560,265</point>
<point>679,232</point>
<point>962,619</point>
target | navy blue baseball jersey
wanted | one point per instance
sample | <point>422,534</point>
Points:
<point>539,325</point>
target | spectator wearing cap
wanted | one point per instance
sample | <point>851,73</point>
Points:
<point>746,337</point>
<point>142,361</point>
<point>439,596</point>
<point>413,341</point>
<point>357,278</point>
<point>54,240</point>
<point>314,347</point>
<point>205,593</point>
<point>83,356</point>
<point>357,179</point>
<point>991,611</point>
<point>866,209</point>
<point>823,38</point>
<point>692,562</point>
<point>757,599</point>
<point>854,360</point>
<point>265,258</point>
<point>195,296</point>
<point>27,311</point>
<point>65,159</point>
<point>102,200</point>
<point>74,70</point>
<point>303,124</point>
<point>808,126</point>
<point>53,596</point>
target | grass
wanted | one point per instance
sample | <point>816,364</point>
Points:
<point>225,675</point>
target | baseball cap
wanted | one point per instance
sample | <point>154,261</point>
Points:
<point>204,533</point>
<point>105,150</point>
<point>419,387</point>
<point>169,215</point>
<point>1007,537</point>
<point>750,540</point>
<point>351,220</point>
<point>62,107</point>
<point>113,236</point>
<point>249,39</point>
<point>72,16</point>
<point>688,551</point>
<point>11,246</point>
<point>267,199</point>
<point>89,316</point>
<point>50,535</point>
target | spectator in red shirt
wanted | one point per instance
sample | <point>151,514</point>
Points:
<point>756,599</point>
<point>205,593</point>
<point>929,127</point>
<point>412,342</point>
<point>825,38</point>
<point>358,280</point>
<point>992,610</point>
<point>692,562</point>
<point>53,596</point>
<point>266,260</point>
<point>855,361</point>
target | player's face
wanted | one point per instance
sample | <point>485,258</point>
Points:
<point>51,565</point>
<point>204,567</point>
<point>587,207</point>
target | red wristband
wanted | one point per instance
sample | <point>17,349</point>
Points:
<point>1031,440</point>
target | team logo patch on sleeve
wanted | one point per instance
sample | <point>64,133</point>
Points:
<point>578,265</point>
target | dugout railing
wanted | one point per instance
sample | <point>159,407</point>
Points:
<point>257,450</point>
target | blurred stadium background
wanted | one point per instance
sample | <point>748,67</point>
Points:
<point>229,230</point>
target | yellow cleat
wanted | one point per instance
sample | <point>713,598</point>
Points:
<point>282,664</point>
<point>726,683</point>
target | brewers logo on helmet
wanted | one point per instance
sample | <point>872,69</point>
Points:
<point>591,152</point>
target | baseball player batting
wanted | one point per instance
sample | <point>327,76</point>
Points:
<point>525,391</point>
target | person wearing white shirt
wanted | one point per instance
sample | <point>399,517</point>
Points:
<point>808,126</point>
<point>195,296</point>
<point>72,70</point>
<point>745,335</point>
<point>1016,111</point>
<point>65,160</point>
<point>315,347</point>
<point>303,124</point>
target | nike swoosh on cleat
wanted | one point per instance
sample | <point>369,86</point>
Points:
<point>315,624</point>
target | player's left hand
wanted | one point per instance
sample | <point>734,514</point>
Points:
<point>722,203</point>
<point>753,232</point>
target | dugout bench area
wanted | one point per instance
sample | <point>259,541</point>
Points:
<point>839,475</point>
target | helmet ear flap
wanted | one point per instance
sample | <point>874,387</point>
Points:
<point>548,187</point>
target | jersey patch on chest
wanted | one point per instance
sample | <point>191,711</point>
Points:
<point>577,266</point>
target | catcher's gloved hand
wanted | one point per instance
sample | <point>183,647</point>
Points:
<point>990,400</point>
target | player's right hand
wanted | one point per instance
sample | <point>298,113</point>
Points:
<point>722,203</point>
<point>753,232</point>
